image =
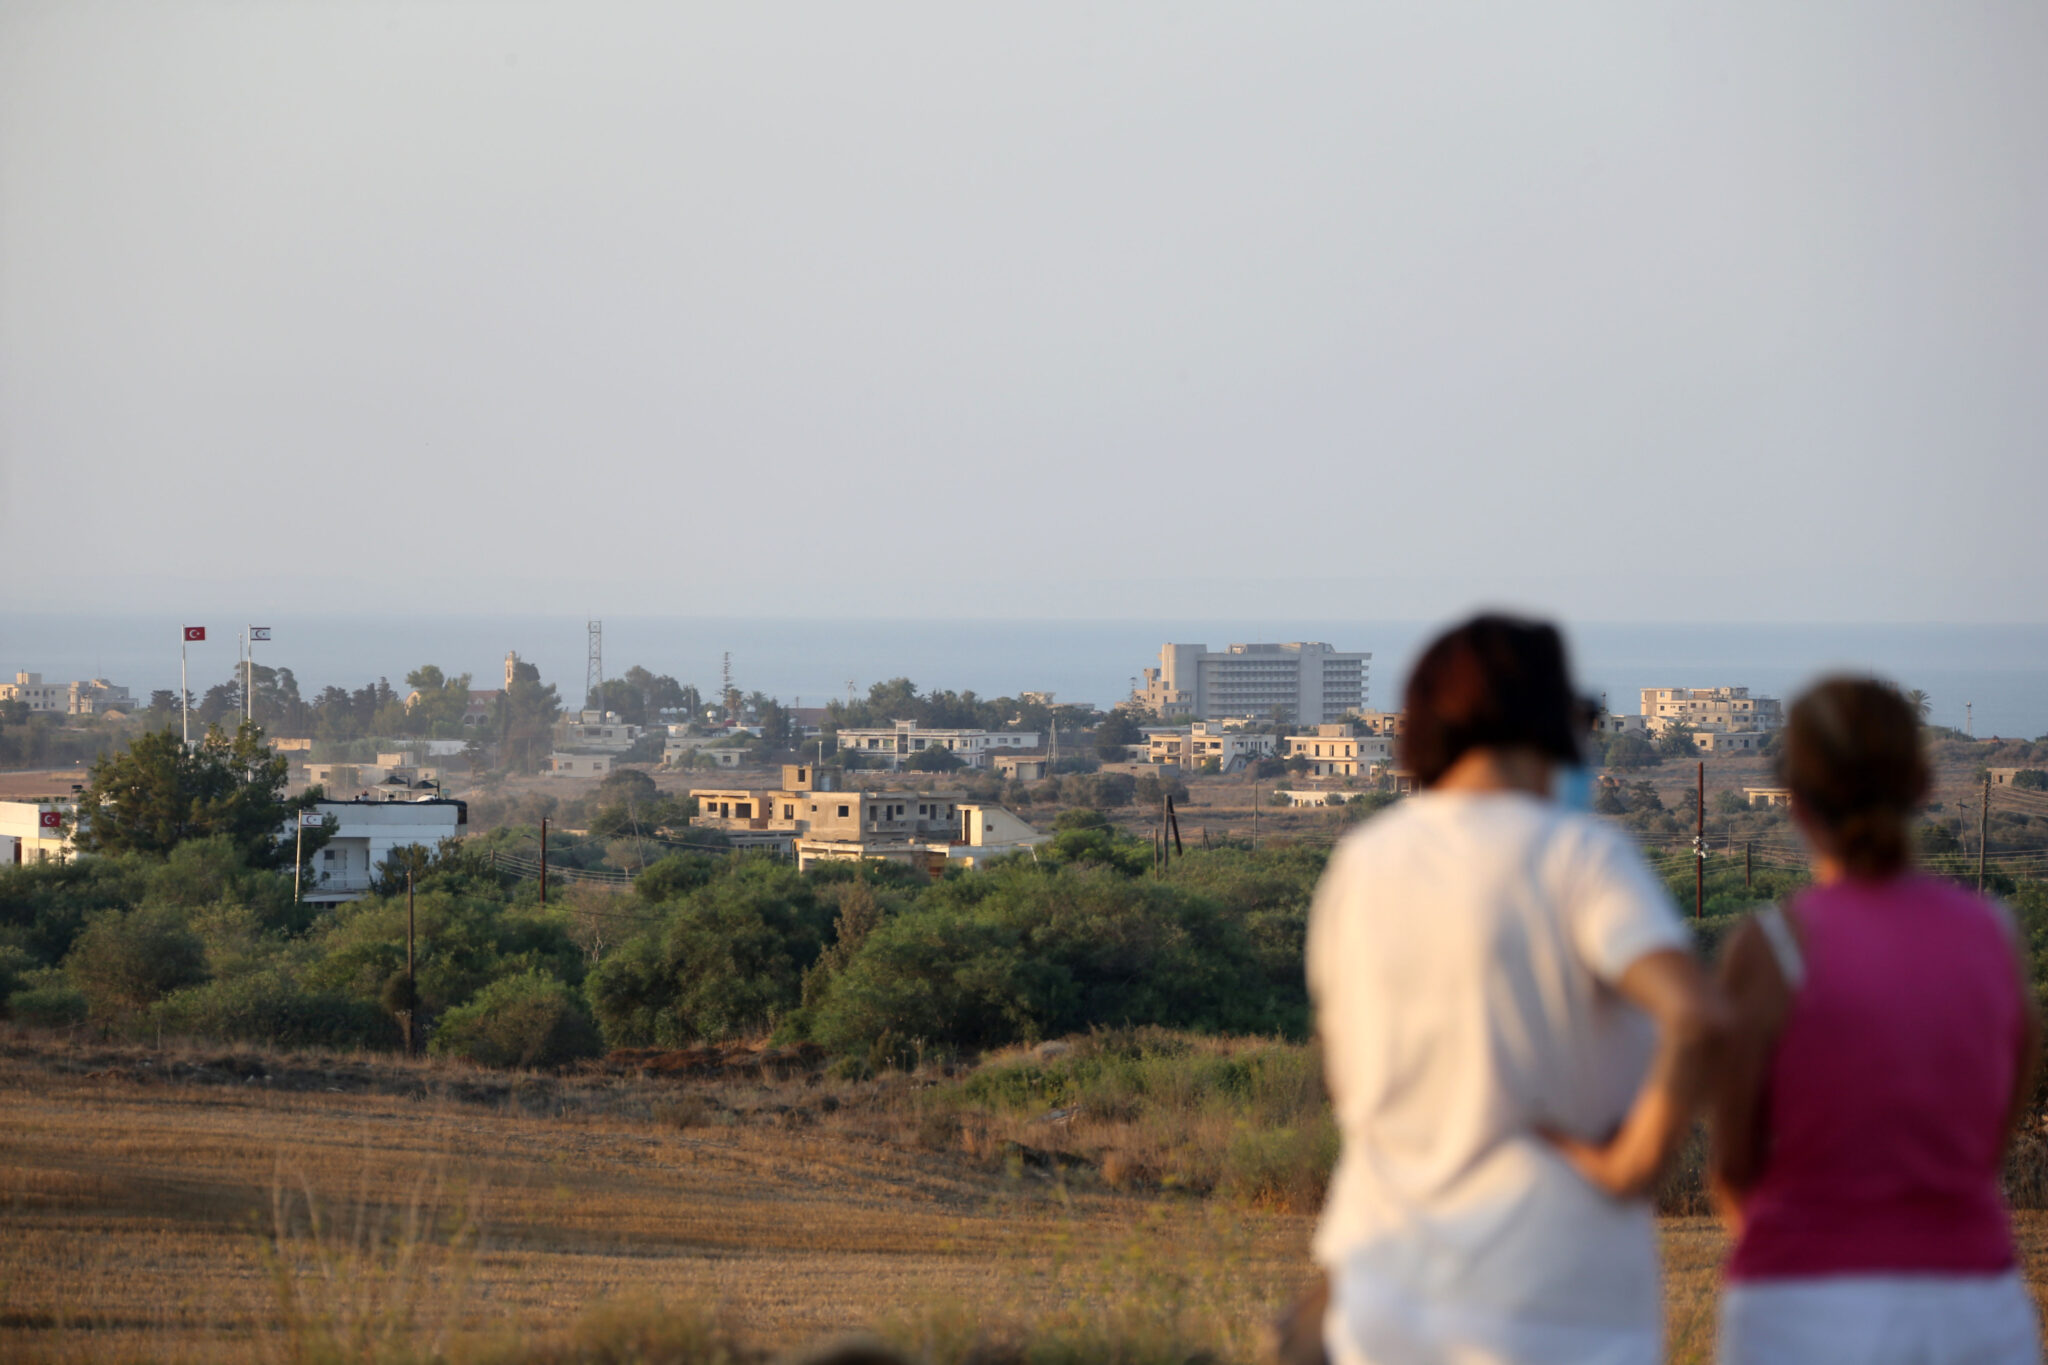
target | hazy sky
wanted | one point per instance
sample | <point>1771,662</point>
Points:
<point>1625,311</point>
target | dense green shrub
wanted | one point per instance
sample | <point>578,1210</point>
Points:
<point>44,906</point>
<point>521,1021</point>
<point>269,1006</point>
<point>124,963</point>
<point>46,999</point>
<point>730,959</point>
<point>1022,952</point>
<point>463,942</point>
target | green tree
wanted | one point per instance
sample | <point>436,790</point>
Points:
<point>525,719</point>
<point>1117,730</point>
<point>1631,750</point>
<point>161,794</point>
<point>1676,740</point>
<point>124,963</point>
<point>436,703</point>
<point>1922,704</point>
<point>933,759</point>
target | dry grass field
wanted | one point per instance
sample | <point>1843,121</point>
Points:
<point>163,1207</point>
<point>184,1220</point>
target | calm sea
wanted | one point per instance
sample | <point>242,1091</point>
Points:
<point>2000,671</point>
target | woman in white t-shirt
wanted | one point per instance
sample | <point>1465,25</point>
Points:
<point>1512,1022</point>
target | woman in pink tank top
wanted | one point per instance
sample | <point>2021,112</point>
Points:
<point>1886,1044</point>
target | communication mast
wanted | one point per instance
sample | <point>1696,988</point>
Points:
<point>728,698</point>
<point>593,673</point>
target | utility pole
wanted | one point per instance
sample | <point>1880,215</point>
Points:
<point>1748,852</point>
<point>1699,848</point>
<point>1983,831</point>
<point>543,860</point>
<point>298,858</point>
<point>1173,823</point>
<point>1255,818</point>
<point>1969,719</point>
<point>412,987</point>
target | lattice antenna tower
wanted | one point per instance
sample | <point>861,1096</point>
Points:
<point>593,672</point>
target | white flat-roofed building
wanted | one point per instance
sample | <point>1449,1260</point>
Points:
<point>367,832</point>
<point>895,744</point>
<point>38,831</point>
<point>1306,681</point>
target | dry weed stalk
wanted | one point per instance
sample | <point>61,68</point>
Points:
<point>384,1284</point>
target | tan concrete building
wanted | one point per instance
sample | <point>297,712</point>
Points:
<point>580,765</point>
<point>1710,708</point>
<point>1387,724</point>
<point>927,830</point>
<point>1338,750</point>
<point>1762,798</point>
<point>906,827</point>
<point>1305,680</point>
<point>1729,741</point>
<point>1022,767</point>
<point>1190,747</point>
<point>595,732</point>
<point>86,697</point>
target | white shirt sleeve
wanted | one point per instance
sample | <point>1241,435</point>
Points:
<point>1619,913</point>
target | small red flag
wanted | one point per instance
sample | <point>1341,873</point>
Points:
<point>51,819</point>
<point>195,632</point>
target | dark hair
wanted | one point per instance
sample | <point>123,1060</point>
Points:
<point>1495,682</point>
<point>1853,760</point>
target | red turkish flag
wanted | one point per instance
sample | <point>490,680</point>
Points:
<point>195,632</point>
<point>51,819</point>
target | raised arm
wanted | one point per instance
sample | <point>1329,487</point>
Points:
<point>1669,987</point>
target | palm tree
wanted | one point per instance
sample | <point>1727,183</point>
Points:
<point>1920,702</point>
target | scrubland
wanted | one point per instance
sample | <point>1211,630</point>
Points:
<point>719,1204</point>
<point>244,1206</point>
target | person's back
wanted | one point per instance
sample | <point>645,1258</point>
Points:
<point>1459,953</point>
<point>1883,1046</point>
<point>1512,1026</point>
<point>1889,1091</point>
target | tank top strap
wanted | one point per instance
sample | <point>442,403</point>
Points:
<point>1784,944</point>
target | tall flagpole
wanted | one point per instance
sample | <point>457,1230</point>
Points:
<point>184,690</point>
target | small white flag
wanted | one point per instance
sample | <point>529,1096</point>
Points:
<point>258,633</point>
<point>312,819</point>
